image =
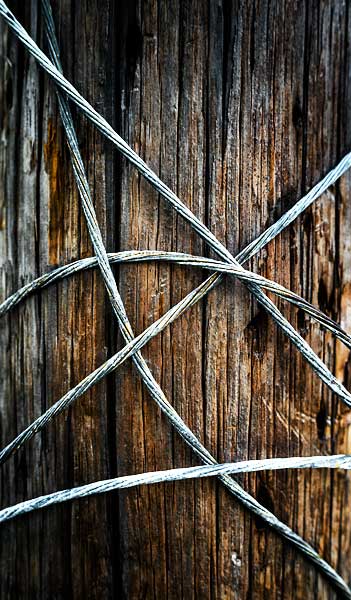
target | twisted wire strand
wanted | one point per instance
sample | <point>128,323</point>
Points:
<point>180,258</point>
<point>208,236</point>
<point>297,209</point>
<point>310,356</point>
<point>337,461</point>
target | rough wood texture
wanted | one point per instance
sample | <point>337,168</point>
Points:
<point>240,107</point>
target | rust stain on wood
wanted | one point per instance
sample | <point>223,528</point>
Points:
<point>53,165</point>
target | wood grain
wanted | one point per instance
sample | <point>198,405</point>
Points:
<point>240,108</point>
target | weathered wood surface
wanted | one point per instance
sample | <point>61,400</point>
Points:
<point>240,107</point>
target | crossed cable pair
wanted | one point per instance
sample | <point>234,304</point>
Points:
<point>229,265</point>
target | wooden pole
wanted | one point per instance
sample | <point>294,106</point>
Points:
<point>240,108</point>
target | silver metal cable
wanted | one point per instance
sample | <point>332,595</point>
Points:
<point>338,461</point>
